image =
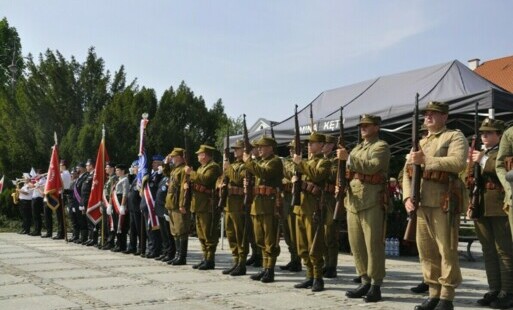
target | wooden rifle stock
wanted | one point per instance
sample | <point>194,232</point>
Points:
<point>296,186</point>
<point>223,192</point>
<point>411,228</point>
<point>188,191</point>
<point>341,171</point>
<point>476,179</point>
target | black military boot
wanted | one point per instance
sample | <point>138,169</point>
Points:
<point>421,288</point>
<point>428,304</point>
<point>504,301</point>
<point>268,276</point>
<point>208,265</point>
<point>182,257</point>
<point>307,283</point>
<point>240,270</point>
<point>295,265</point>
<point>373,295</point>
<point>231,268</point>
<point>258,276</point>
<point>444,305</point>
<point>359,292</point>
<point>357,280</point>
<point>252,258</point>
<point>488,298</point>
<point>196,266</point>
<point>330,272</point>
<point>318,285</point>
<point>258,261</point>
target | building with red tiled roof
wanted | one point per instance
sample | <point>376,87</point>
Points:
<point>498,71</point>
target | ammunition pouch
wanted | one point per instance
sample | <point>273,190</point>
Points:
<point>287,187</point>
<point>436,176</point>
<point>453,199</point>
<point>490,185</point>
<point>262,190</point>
<point>235,191</point>
<point>373,179</point>
<point>311,188</point>
<point>508,163</point>
<point>201,189</point>
<point>329,188</point>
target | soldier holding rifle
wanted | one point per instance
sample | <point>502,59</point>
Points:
<point>310,236</point>
<point>367,166</point>
<point>492,227</point>
<point>442,156</point>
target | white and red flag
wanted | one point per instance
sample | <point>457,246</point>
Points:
<point>96,198</point>
<point>53,187</point>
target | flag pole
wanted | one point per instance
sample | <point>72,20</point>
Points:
<point>102,209</point>
<point>64,219</point>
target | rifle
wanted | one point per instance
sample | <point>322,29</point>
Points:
<point>341,170</point>
<point>411,228</point>
<point>296,186</point>
<point>223,192</point>
<point>320,225</point>
<point>188,190</point>
<point>475,178</point>
<point>249,182</point>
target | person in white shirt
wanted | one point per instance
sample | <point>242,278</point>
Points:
<point>38,188</point>
<point>25,206</point>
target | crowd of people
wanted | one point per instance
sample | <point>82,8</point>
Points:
<point>254,193</point>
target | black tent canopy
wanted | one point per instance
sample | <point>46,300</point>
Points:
<point>392,97</point>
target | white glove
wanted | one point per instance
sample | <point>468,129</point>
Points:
<point>109,210</point>
<point>122,210</point>
<point>167,217</point>
<point>81,208</point>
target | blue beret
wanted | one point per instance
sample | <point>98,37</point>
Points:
<point>135,163</point>
<point>158,157</point>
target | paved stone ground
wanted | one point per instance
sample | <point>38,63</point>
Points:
<point>39,273</point>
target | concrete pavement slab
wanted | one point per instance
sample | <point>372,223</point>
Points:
<point>48,302</point>
<point>20,290</point>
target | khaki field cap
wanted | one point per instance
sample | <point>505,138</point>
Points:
<point>266,141</point>
<point>370,119</point>
<point>239,144</point>
<point>316,137</point>
<point>330,139</point>
<point>205,149</point>
<point>492,125</point>
<point>437,106</point>
<point>177,152</point>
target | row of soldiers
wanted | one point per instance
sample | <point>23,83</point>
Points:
<point>309,227</point>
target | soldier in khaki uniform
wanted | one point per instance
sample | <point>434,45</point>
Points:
<point>315,172</point>
<point>366,215</point>
<point>288,219</point>
<point>331,233</point>
<point>492,228</point>
<point>255,259</point>
<point>504,164</point>
<point>236,219</point>
<point>442,156</point>
<point>179,213</point>
<point>205,206</point>
<point>268,174</point>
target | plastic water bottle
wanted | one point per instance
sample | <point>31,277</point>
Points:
<point>387,247</point>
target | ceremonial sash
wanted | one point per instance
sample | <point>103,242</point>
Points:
<point>76,194</point>
<point>150,204</point>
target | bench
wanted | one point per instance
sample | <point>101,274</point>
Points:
<point>467,234</point>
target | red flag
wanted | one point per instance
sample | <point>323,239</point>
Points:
<point>53,187</point>
<point>96,198</point>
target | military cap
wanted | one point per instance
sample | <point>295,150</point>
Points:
<point>266,141</point>
<point>64,162</point>
<point>135,163</point>
<point>330,139</point>
<point>316,137</point>
<point>157,157</point>
<point>121,167</point>
<point>370,119</point>
<point>110,164</point>
<point>437,106</point>
<point>238,144</point>
<point>80,165</point>
<point>292,144</point>
<point>90,162</point>
<point>490,124</point>
<point>177,152</point>
<point>205,149</point>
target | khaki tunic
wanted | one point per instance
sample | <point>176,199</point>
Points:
<point>366,211</point>
<point>506,150</point>
<point>202,205</point>
<point>288,219</point>
<point>437,241</point>
<point>267,172</point>
<point>180,222</point>
<point>494,233</point>
<point>331,231</point>
<point>235,222</point>
<point>315,170</point>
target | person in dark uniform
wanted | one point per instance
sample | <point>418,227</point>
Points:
<point>204,205</point>
<point>66,195</point>
<point>81,220</point>
<point>133,203</point>
<point>107,216</point>
<point>72,207</point>
<point>92,232</point>
<point>180,212</point>
<point>149,191</point>
<point>168,242</point>
<point>120,213</point>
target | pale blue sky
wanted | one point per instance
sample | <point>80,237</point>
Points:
<point>262,57</point>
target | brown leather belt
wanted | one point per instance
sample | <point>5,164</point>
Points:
<point>262,190</point>
<point>201,188</point>
<point>366,178</point>
<point>235,191</point>
<point>436,176</point>
<point>329,188</point>
<point>287,187</point>
<point>311,188</point>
